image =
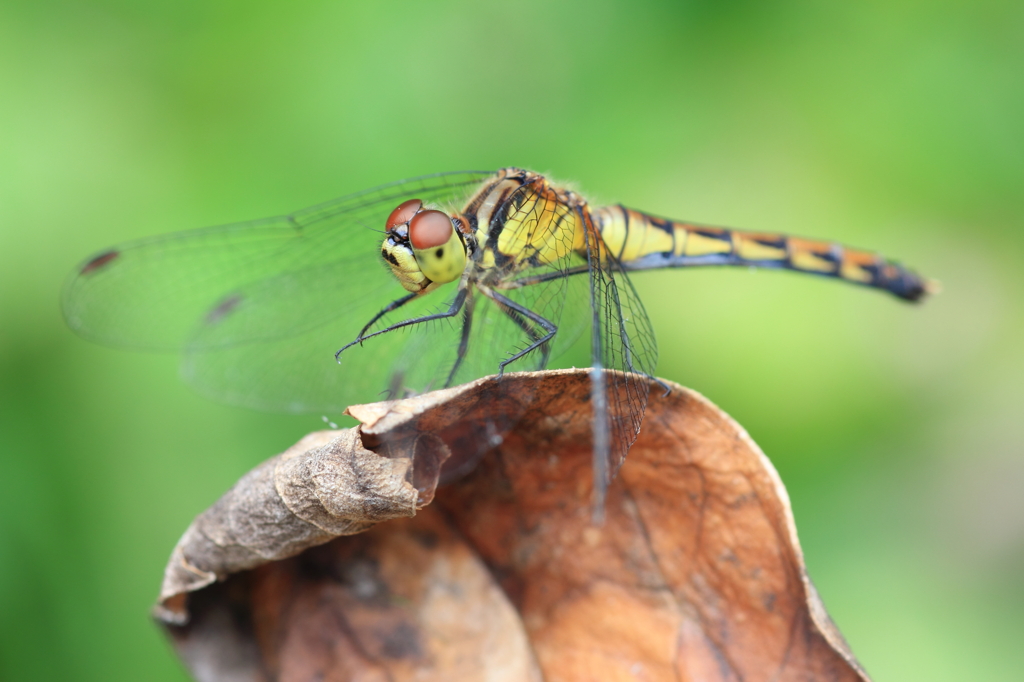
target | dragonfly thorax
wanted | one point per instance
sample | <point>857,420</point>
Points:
<point>423,248</point>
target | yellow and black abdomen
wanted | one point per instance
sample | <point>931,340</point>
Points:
<point>645,242</point>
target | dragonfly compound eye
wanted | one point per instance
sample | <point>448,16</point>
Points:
<point>403,214</point>
<point>439,250</point>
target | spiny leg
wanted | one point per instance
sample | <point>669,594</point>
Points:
<point>528,330</point>
<point>394,305</point>
<point>467,325</point>
<point>517,313</point>
<point>453,310</point>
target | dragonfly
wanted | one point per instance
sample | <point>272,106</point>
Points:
<point>423,284</point>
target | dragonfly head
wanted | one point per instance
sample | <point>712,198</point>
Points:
<point>422,247</point>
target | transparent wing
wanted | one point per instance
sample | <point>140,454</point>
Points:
<point>623,342</point>
<point>298,373</point>
<point>155,293</point>
<point>259,308</point>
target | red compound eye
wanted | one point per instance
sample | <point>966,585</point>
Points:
<point>429,229</point>
<point>403,214</point>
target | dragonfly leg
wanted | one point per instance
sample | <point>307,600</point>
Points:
<point>394,305</point>
<point>521,315</point>
<point>453,310</point>
<point>467,325</point>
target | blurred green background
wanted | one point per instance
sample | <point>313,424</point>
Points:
<point>897,126</point>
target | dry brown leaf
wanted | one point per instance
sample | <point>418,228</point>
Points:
<point>324,486</point>
<point>696,573</point>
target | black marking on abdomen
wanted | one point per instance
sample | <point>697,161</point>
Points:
<point>873,270</point>
<point>667,226</point>
<point>661,224</point>
<point>626,227</point>
<point>724,235</point>
<point>780,243</point>
<point>906,284</point>
<point>831,256</point>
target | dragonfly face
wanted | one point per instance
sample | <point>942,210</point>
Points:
<point>423,248</point>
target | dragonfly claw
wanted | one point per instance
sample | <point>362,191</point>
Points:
<point>337,356</point>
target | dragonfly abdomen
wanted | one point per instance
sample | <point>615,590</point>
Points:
<point>645,242</point>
